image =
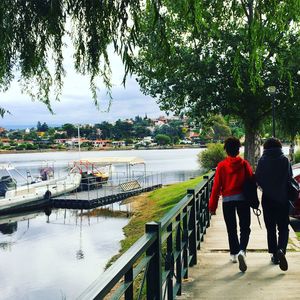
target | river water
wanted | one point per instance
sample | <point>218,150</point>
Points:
<point>56,256</point>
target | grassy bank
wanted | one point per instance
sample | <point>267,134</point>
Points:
<point>151,207</point>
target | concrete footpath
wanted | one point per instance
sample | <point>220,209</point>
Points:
<point>215,277</point>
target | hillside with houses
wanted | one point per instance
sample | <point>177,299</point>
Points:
<point>139,132</point>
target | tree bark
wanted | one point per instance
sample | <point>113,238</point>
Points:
<point>252,146</point>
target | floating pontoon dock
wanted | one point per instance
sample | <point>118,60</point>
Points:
<point>95,198</point>
<point>119,186</point>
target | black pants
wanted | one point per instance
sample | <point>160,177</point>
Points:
<point>276,217</point>
<point>229,211</point>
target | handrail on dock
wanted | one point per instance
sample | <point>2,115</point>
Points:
<point>155,266</point>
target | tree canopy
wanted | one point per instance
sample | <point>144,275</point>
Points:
<point>197,57</point>
<point>221,57</point>
<point>32,36</point>
<point>219,127</point>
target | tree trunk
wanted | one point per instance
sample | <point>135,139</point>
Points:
<point>252,146</point>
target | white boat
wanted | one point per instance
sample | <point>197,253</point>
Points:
<point>33,193</point>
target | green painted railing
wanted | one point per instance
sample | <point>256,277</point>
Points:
<point>154,266</point>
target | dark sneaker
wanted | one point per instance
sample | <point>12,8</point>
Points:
<point>274,259</point>
<point>242,261</point>
<point>283,264</point>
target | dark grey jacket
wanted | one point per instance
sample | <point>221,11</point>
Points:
<point>273,173</point>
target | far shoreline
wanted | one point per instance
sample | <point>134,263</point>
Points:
<point>102,149</point>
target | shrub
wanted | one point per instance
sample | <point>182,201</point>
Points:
<point>210,157</point>
<point>162,139</point>
<point>29,146</point>
<point>21,147</point>
<point>128,141</point>
<point>297,157</point>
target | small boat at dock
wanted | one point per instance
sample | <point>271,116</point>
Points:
<point>98,171</point>
<point>34,193</point>
<point>92,175</point>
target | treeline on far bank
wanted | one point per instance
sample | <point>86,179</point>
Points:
<point>133,133</point>
<point>137,132</point>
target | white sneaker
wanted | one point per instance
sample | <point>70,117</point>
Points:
<point>233,258</point>
<point>242,261</point>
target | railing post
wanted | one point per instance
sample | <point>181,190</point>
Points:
<point>185,239</point>
<point>193,228</point>
<point>169,265</point>
<point>129,279</point>
<point>178,259</point>
<point>206,199</point>
<point>154,274</point>
<point>198,219</point>
<point>201,214</point>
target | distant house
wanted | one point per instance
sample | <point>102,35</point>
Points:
<point>27,130</point>
<point>18,142</point>
<point>194,137</point>
<point>148,139</point>
<point>101,143</point>
<point>27,141</point>
<point>185,142</point>
<point>43,142</point>
<point>163,119</point>
<point>40,133</point>
<point>75,141</point>
<point>151,128</point>
<point>118,143</point>
<point>160,121</point>
<point>5,141</point>
<point>60,141</point>
<point>129,121</point>
<point>61,132</point>
<point>69,142</point>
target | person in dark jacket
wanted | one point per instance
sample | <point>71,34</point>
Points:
<point>272,175</point>
<point>228,182</point>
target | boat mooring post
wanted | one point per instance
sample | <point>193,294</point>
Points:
<point>78,128</point>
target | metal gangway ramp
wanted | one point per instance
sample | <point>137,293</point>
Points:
<point>130,185</point>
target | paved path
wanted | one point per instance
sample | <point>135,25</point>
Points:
<point>215,277</point>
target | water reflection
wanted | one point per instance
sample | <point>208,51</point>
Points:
<point>57,253</point>
<point>8,228</point>
<point>156,160</point>
<point>79,252</point>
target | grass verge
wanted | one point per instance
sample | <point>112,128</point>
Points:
<point>151,207</point>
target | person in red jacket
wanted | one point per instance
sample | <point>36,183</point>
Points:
<point>228,182</point>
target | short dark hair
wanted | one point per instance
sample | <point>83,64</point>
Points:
<point>272,143</point>
<point>232,146</point>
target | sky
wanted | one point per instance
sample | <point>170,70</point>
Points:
<point>76,105</point>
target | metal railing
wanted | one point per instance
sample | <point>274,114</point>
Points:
<point>96,189</point>
<point>155,266</point>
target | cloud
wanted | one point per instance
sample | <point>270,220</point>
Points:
<point>76,105</point>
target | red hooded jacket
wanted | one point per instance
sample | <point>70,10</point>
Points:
<point>229,178</point>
